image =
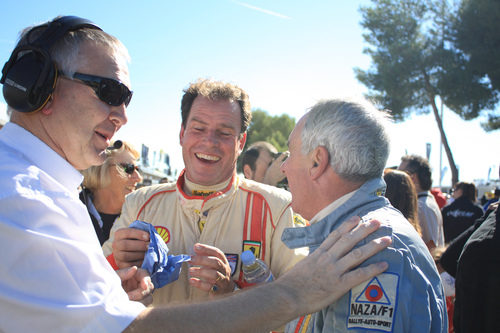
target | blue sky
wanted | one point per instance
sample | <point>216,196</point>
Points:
<point>285,54</point>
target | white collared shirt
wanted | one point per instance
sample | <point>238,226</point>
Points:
<point>331,207</point>
<point>53,276</point>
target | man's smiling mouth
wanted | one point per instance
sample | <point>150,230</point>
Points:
<point>207,157</point>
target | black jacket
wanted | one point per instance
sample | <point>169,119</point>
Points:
<point>458,216</point>
<point>477,282</point>
<point>102,222</point>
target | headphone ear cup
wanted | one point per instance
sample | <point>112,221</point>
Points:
<point>29,82</point>
<point>29,77</point>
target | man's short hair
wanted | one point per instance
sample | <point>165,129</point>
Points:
<point>214,91</point>
<point>251,155</point>
<point>353,132</point>
<point>420,166</point>
<point>64,52</point>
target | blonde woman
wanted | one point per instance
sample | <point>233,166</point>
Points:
<point>105,186</point>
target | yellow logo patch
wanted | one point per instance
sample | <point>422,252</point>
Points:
<point>164,233</point>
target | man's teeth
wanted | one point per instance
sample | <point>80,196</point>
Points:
<point>207,157</point>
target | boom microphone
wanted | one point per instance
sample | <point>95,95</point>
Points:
<point>116,145</point>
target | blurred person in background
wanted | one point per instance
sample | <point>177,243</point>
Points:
<point>429,214</point>
<point>402,194</point>
<point>493,199</point>
<point>462,212</point>
<point>441,198</point>
<point>105,186</point>
<point>261,162</point>
<point>448,285</point>
<point>477,278</point>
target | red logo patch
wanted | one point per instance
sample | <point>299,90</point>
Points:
<point>373,293</point>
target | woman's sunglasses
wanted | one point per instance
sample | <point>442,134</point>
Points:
<point>110,91</point>
<point>128,167</point>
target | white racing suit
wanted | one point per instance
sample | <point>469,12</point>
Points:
<point>244,215</point>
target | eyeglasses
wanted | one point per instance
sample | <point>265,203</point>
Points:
<point>128,167</point>
<point>110,91</point>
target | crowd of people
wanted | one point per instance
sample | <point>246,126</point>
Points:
<point>353,245</point>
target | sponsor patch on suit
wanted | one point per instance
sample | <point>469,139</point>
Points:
<point>372,304</point>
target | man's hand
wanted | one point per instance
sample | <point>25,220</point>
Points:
<point>273,173</point>
<point>137,284</point>
<point>325,275</point>
<point>211,270</point>
<point>129,247</point>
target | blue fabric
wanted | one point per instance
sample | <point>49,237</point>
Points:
<point>162,267</point>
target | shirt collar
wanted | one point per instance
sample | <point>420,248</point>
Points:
<point>41,155</point>
<point>331,207</point>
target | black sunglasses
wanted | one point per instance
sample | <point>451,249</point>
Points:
<point>129,167</point>
<point>110,91</point>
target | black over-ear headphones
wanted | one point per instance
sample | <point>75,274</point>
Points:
<point>30,75</point>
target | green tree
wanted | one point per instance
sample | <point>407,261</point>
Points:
<point>476,32</point>
<point>414,61</point>
<point>273,129</point>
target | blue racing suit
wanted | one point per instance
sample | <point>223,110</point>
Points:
<point>407,297</point>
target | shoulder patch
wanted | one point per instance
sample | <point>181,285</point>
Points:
<point>372,304</point>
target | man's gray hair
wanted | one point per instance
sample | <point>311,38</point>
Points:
<point>353,132</point>
<point>65,51</point>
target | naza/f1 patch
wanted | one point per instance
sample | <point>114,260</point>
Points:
<point>373,305</point>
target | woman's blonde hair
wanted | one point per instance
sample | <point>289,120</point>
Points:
<point>97,177</point>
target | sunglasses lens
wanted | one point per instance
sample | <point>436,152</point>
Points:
<point>129,168</point>
<point>114,93</point>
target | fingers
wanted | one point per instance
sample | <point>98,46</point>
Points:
<point>273,173</point>
<point>283,156</point>
<point>359,255</point>
<point>126,273</point>
<point>210,270</point>
<point>129,247</point>
<point>140,287</point>
<point>350,233</point>
<point>353,237</point>
<point>210,276</point>
<point>205,280</point>
<point>355,277</point>
<point>207,250</point>
<point>335,235</point>
<point>132,233</point>
<point>328,268</point>
<point>142,291</point>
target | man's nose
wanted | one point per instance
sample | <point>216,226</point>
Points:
<point>118,115</point>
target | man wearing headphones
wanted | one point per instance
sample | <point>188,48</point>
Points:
<point>67,87</point>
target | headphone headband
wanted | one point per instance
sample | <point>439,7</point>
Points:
<point>29,76</point>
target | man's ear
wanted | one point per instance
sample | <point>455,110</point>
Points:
<point>247,171</point>
<point>241,142</point>
<point>181,134</point>
<point>320,161</point>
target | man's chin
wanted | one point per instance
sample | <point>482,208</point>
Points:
<point>96,159</point>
